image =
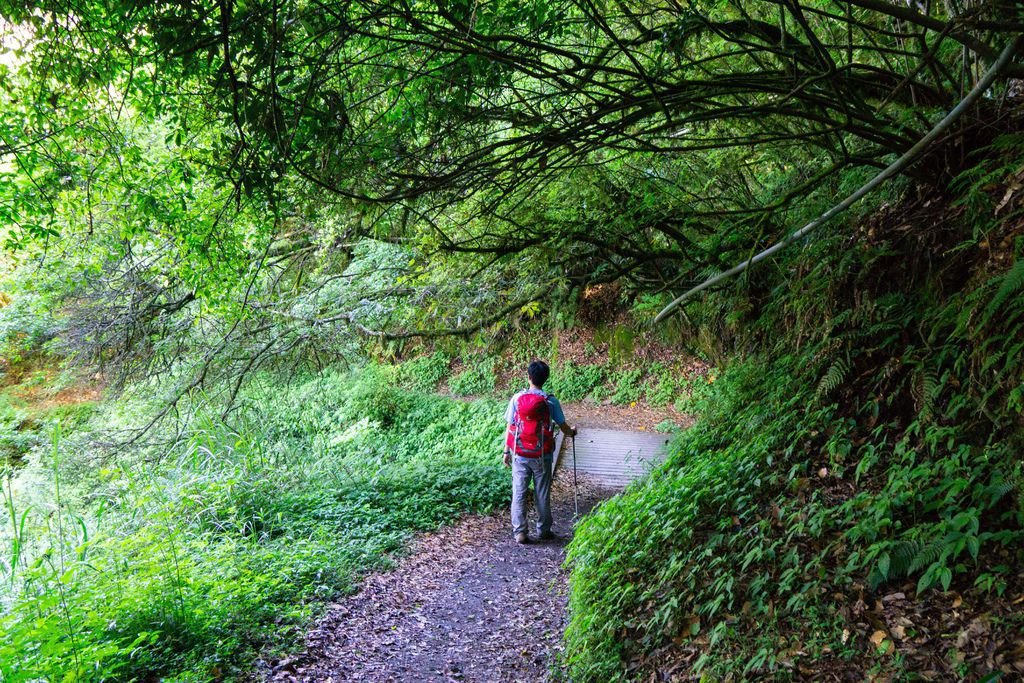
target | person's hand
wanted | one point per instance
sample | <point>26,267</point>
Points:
<point>507,459</point>
<point>573,431</point>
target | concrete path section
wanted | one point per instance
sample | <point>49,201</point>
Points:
<point>612,457</point>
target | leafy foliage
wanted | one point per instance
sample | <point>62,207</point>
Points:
<point>478,379</point>
<point>834,461</point>
<point>628,387</point>
<point>662,385</point>
<point>571,382</point>
<point>425,372</point>
<point>514,150</point>
<point>237,536</point>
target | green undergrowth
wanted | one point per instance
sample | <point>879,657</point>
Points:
<point>180,560</point>
<point>25,421</point>
<point>497,372</point>
<point>870,444</point>
<point>571,382</point>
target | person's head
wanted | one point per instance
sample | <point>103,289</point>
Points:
<point>538,372</point>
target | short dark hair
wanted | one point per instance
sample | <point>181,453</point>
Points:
<point>538,373</point>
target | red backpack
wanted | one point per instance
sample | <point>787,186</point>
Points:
<point>530,433</point>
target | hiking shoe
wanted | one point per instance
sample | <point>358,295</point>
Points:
<point>522,538</point>
<point>547,535</point>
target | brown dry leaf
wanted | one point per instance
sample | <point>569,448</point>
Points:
<point>957,601</point>
<point>1011,190</point>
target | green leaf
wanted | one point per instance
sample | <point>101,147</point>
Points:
<point>883,566</point>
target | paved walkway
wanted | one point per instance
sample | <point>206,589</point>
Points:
<point>612,457</point>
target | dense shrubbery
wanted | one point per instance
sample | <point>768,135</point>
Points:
<point>424,373</point>
<point>229,539</point>
<point>571,382</point>
<point>25,326</point>
<point>774,507</point>
<point>657,383</point>
<point>874,450</point>
<point>476,380</point>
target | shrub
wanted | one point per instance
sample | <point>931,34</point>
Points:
<point>424,373</point>
<point>662,385</point>
<point>666,427</point>
<point>477,380</point>
<point>572,383</point>
<point>230,540</point>
<point>627,386</point>
<point>26,324</point>
<point>882,448</point>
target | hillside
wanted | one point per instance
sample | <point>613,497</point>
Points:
<point>848,504</point>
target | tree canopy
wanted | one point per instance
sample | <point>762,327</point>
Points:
<point>239,151</point>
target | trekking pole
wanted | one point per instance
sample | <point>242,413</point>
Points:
<point>575,486</point>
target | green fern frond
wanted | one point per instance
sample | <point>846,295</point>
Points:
<point>833,377</point>
<point>925,389</point>
<point>838,321</point>
<point>902,558</point>
<point>1012,282</point>
<point>925,555</point>
<point>996,492</point>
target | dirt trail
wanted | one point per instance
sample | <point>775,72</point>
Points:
<point>467,604</point>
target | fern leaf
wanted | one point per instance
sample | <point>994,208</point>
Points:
<point>925,556</point>
<point>902,557</point>
<point>833,377</point>
<point>998,491</point>
<point>925,390</point>
<point>1012,282</point>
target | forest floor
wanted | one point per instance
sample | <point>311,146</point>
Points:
<point>466,604</point>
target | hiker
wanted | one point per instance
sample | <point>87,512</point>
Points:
<point>530,448</point>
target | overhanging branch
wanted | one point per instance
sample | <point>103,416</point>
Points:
<point>1002,62</point>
